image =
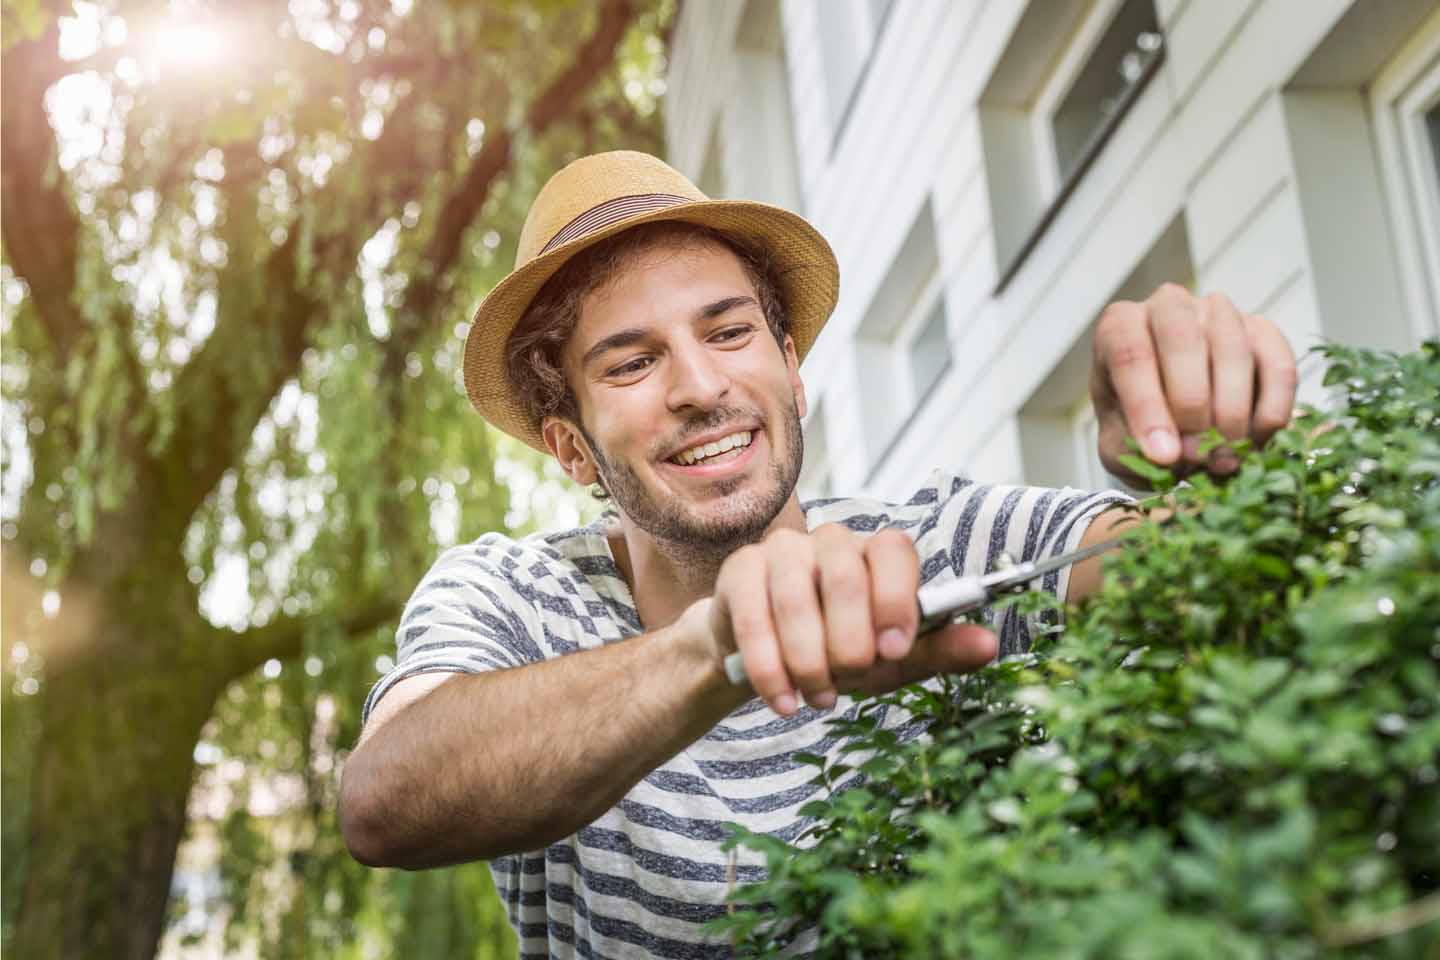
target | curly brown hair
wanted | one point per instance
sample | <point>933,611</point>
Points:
<point>533,352</point>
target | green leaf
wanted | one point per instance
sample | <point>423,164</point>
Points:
<point>1158,476</point>
<point>1271,566</point>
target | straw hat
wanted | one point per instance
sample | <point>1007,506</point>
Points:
<point>599,196</point>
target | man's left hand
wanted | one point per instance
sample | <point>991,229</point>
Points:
<point>1169,369</point>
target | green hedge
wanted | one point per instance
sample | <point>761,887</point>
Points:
<point>1230,750</point>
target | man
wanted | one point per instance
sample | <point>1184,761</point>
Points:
<point>650,340</point>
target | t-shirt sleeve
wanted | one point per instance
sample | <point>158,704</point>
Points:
<point>980,522</point>
<point>465,616</point>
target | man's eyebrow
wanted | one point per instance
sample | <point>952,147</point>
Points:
<point>613,342</point>
<point>625,338</point>
<point>713,310</point>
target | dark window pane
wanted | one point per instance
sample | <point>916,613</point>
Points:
<point>1432,123</point>
<point>1115,66</point>
<point>929,353</point>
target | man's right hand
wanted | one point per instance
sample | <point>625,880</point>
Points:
<point>828,611</point>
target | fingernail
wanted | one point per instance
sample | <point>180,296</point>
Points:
<point>784,704</point>
<point>823,700</point>
<point>894,644</point>
<point>1162,444</point>
<point>1190,445</point>
<point>1225,461</point>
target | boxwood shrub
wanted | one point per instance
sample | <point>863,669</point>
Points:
<point>1231,750</point>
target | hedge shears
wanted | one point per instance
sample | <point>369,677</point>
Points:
<point>942,603</point>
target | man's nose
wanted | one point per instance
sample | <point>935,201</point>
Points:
<point>697,379</point>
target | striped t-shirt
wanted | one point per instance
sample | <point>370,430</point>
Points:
<point>646,875</point>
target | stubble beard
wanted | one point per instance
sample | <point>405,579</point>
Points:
<point>707,541</point>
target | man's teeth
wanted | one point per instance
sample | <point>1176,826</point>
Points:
<point>704,450</point>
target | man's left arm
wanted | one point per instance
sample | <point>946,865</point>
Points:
<point>1167,370</point>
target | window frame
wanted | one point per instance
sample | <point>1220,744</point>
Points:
<point>1058,85</point>
<point>931,295</point>
<point>896,352</point>
<point>861,11</point>
<point>1404,92</point>
<point>1073,60</point>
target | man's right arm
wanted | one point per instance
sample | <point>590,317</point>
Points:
<point>475,766</point>
<point>489,764</point>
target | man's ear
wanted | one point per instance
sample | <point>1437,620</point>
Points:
<point>567,445</point>
<point>792,369</point>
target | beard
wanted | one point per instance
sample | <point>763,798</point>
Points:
<point>744,516</point>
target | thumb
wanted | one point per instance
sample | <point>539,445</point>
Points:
<point>958,648</point>
<point>711,616</point>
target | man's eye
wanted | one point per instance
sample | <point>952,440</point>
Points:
<point>634,366</point>
<point>732,333</point>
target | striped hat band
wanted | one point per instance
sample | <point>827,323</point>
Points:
<point>611,211</point>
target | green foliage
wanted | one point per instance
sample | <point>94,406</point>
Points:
<point>1230,750</point>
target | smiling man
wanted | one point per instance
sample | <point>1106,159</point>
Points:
<point>559,706</point>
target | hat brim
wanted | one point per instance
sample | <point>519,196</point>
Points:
<point>803,262</point>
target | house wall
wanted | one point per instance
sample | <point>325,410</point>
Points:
<point>1253,134</point>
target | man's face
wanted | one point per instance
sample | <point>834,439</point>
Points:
<point>670,362</point>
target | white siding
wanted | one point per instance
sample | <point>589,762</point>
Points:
<point>1214,139</point>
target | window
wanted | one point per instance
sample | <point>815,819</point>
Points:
<point>1059,435</point>
<point>929,351</point>
<point>903,344</point>
<point>1070,73</point>
<point>1355,120</point>
<point>1404,114</point>
<point>848,32</point>
<point>1432,125</point>
<point>1101,90</point>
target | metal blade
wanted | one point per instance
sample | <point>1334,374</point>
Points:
<point>999,581</point>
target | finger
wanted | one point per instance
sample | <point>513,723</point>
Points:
<point>1232,377</point>
<point>1184,352</point>
<point>958,648</point>
<point>795,608</point>
<point>845,597</point>
<point>894,579</point>
<point>883,677</point>
<point>1276,376</point>
<point>1126,368</point>
<point>742,608</point>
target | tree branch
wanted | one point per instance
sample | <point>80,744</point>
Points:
<point>468,198</point>
<point>283,637</point>
<point>273,331</point>
<point>42,239</point>
<point>1399,920</point>
<point>41,231</point>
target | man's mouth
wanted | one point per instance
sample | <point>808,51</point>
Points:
<point>717,451</point>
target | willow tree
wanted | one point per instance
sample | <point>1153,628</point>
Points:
<point>239,254</point>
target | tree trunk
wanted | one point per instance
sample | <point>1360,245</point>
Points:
<point>112,775</point>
